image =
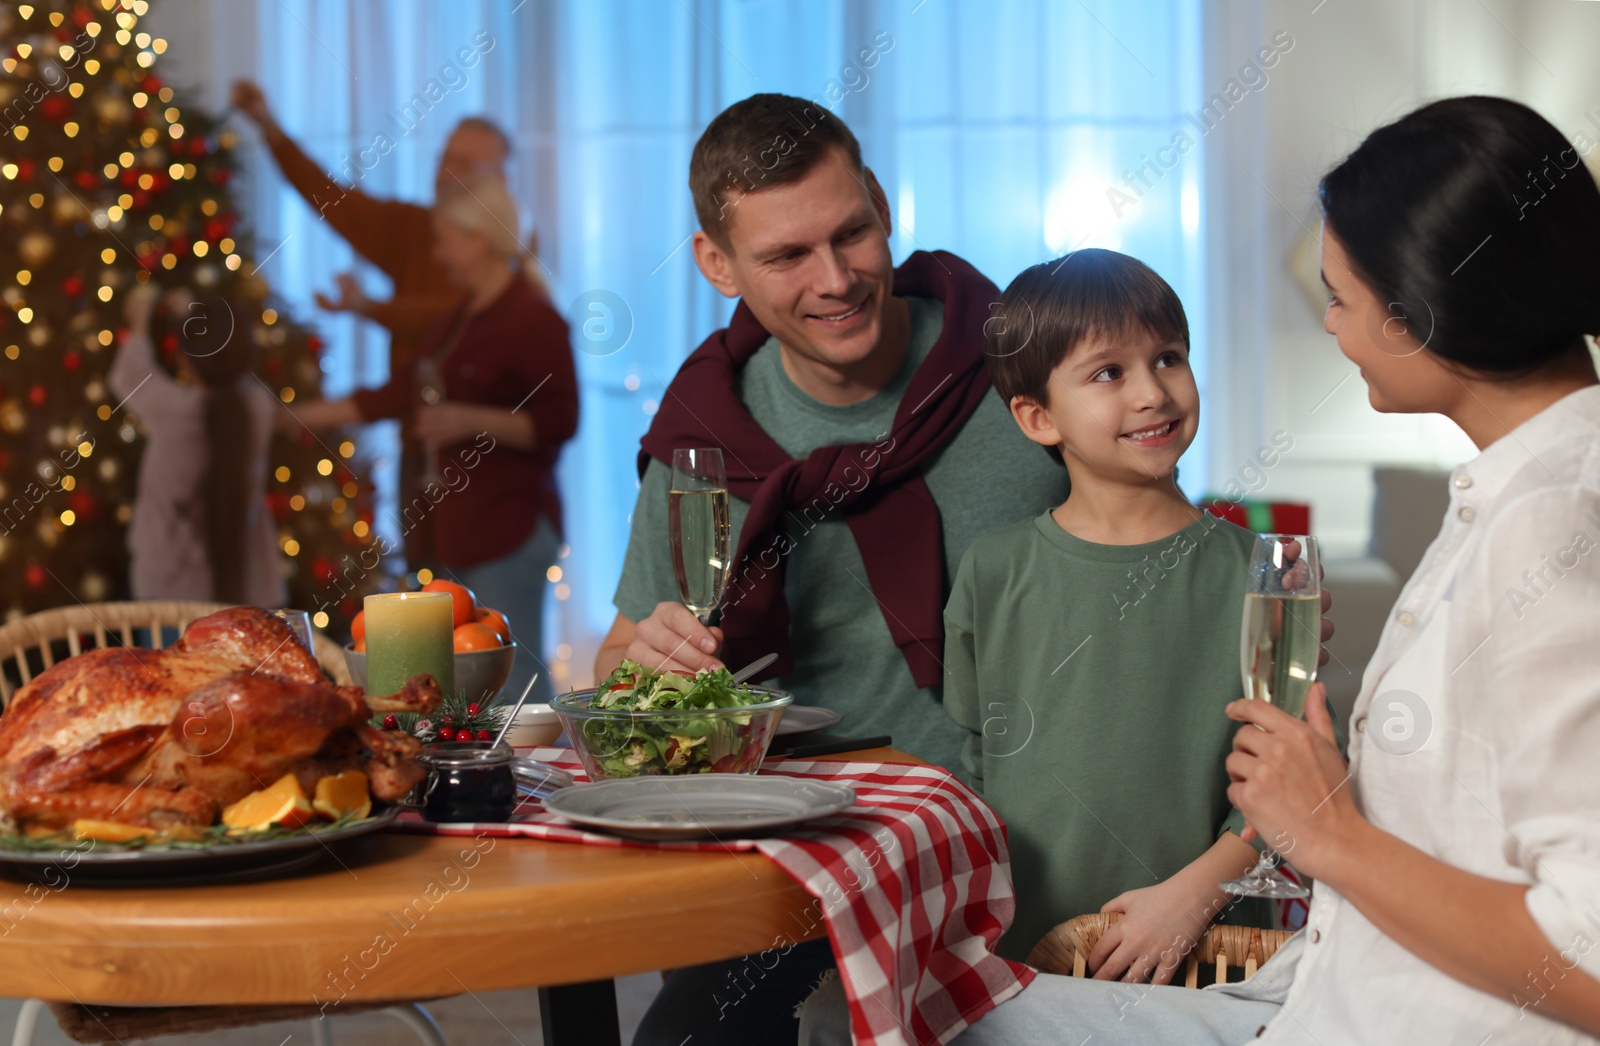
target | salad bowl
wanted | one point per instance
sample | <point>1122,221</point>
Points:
<point>642,722</point>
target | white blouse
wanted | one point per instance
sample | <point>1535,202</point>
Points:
<point>1476,738</point>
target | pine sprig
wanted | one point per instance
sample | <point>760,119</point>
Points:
<point>452,712</point>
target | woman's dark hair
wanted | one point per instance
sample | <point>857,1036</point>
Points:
<point>1478,224</point>
<point>220,351</point>
<point>1053,306</point>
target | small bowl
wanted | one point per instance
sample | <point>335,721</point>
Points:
<point>479,673</point>
<point>619,742</point>
<point>534,726</point>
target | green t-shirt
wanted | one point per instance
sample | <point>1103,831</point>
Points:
<point>1089,681</point>
<point>988,476</point>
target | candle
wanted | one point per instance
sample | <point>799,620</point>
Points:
<point>409,633</point>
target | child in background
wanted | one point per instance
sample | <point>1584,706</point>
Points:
<point>1090,650</point>
<point>200,528</point>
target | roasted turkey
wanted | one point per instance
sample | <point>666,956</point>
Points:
<point>170,737</point>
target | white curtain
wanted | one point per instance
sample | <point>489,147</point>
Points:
<point>1008,131</point>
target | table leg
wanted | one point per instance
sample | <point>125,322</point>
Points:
<point>586,1014</point>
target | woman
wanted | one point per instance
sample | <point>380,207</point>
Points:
<point>491,399</point>
<point>1457,856</point>
<point>200,529</point>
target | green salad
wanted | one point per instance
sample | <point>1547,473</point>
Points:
<point>638,746</point>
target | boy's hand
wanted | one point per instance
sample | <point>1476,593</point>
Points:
<point>1160,925</point>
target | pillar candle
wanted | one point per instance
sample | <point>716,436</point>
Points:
<point>409,633</point>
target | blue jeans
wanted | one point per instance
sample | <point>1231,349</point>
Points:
<point>1073,1011</point>
<point>514,585</point>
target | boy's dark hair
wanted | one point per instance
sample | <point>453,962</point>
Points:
<point>763,142</point>
<point>1048,309</point>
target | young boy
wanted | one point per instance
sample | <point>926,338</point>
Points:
<point>1090,650</point>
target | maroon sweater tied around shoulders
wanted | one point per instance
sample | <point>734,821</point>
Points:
<point>877,486</point>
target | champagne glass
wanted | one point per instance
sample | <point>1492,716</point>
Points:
<point>299,623</point>
<point>699,527</point>
<point>1278,649</point>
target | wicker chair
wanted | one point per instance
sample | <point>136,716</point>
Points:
<point>1237,949</point>
<point>33,644</point>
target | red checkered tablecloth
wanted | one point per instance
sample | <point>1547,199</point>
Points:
<point>913,883</point>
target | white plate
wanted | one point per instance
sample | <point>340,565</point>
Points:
<point>704,805</point>
<point>800,719</point>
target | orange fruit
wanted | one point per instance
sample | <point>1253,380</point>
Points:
<point>361,646</point>
<point>476,637</point>
<point>495,622</point>
<point>284,803</point>
<point>342,794</point>
<point>109,831</point>
<point>358,626</point>
<point>466,603</point>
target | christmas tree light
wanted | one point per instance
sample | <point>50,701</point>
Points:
<point>109,182</point>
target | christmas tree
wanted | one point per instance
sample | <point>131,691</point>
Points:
<point>106,184</point>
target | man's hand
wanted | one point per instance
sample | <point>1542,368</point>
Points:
<point>1289,780</point>
<point>248,99</point>
<point>351,297</point>
<point>672,638</point>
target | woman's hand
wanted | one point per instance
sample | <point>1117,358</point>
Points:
<point>447,423</point>
<point>140,305</point>
<point>351,296</point>
<point>1159,926</point>
<point>1289,779</point>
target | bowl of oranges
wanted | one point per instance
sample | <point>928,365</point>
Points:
<point>484,649</point>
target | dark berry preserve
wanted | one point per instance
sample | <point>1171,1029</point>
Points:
<point>469,782</point>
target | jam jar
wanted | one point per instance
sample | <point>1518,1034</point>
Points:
<point>468,783</point>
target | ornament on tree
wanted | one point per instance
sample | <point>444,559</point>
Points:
<point>85,237</point>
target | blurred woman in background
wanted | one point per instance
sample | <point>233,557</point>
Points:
<point>491,398</point>
<point>200,528</point>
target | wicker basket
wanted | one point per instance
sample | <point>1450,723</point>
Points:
<point>30,646</point>
<point>1237,949</point>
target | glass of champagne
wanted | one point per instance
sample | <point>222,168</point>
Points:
<point>699,527</point>
<point>1278,649</point>
<point>299,623</point>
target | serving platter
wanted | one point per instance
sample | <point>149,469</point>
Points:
<point>92,863</point>
<point>699,806</point>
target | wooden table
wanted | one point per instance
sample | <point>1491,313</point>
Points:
<point>411,917</point>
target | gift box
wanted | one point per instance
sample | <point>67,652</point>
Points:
<point>1263,517</point>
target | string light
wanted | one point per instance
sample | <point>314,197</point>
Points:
<point>360,529</point>
<point>282,475</point>
<point>325,467</point>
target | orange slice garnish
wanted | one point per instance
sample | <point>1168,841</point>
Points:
<point>343,795</point>
<point>283,804</point>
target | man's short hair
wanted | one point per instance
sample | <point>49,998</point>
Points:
<point>489,127</point>
<point>763,142</point>
<point>1052,307</point>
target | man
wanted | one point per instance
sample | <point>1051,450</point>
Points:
<point>395,236</point>
<point>864,452</point>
